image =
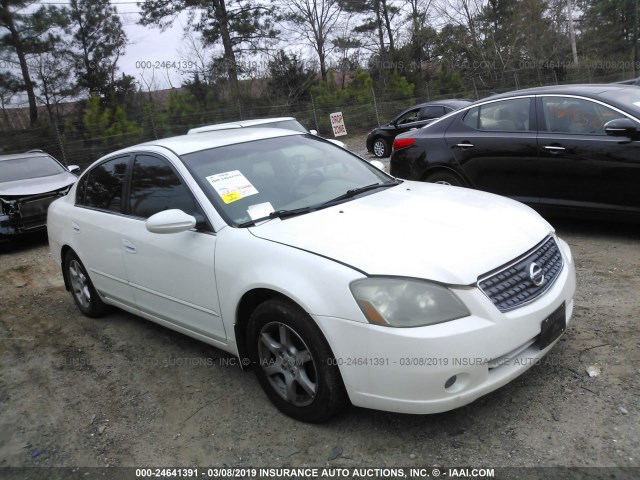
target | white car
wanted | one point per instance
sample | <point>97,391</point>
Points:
<point>275,246</point>
<point>288,123</point>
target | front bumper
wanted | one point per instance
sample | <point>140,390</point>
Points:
<point>441,367</point>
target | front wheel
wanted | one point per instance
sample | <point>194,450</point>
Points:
<point>82,290</point>
<point>293,362</point>
<point>380,148</point>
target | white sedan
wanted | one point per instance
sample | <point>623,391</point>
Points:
<point>336,282</point>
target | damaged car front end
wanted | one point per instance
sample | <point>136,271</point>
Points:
<point>29,182</point>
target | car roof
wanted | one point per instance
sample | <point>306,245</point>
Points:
<point>587,90</point>
<point>16,156</point>
<point>185,144</point>
<point>457,103</point>
<point>238,124</point>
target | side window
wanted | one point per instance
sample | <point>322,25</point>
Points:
<point>432,111</point>
<point>504,116</point>
<point>471,118</point>
<point>408,117</point>
<point>155,187</point>
<point>575,115</point>
<point>102,187</point>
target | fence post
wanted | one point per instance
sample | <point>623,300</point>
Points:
<point>153,124</point>
<point>375,105</point>
<point>515,77</point>
<point>475,88</point>
<point>239,108</point>
<point>315,116</point>
<point>426,85</point>
<point>64,156</point>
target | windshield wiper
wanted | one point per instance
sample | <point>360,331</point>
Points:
<point>281,214</point>
<point>355,191</point>
<point>278,214</point>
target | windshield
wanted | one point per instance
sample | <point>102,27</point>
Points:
<point>250,180</point>
<point>628,99</point>
<point>29,167</point>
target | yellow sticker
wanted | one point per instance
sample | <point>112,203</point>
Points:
<point>231,186</point>
<point>231,197</point>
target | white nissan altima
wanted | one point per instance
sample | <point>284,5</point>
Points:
<point>335,282</point>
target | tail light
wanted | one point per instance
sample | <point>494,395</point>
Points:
<point>399,143</point>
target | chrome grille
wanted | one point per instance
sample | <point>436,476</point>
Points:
<point>513,285</point>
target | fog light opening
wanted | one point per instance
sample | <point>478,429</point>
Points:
<point>449,383</point>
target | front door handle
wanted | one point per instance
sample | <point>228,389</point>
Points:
<point>128,246</point>
<point>76,227</point>
<point>465,145</point>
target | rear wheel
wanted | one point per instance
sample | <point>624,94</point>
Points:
<point>82,290</point>
<point>294,363</point>
<point>445,178</point>
<point>380,148</point>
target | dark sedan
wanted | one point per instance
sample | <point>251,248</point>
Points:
<point>380,139</point>
<point>563,149</point>
<point>29,182</point>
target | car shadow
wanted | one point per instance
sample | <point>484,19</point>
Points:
<point>598,229</point>
<point>24,242</point>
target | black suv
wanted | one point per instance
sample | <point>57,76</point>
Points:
<point>380,139</point>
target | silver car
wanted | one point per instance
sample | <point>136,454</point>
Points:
<point>29,182</point>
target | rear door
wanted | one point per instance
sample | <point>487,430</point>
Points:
<point>98,222</point>
<point>580,165</point>
<point>495,146</point>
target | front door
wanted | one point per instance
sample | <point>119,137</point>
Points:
<point>581,166</point>
<point>172,275</point>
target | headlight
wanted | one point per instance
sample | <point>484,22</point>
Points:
<point>399,302</point>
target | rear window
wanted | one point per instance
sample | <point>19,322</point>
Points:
<point>29,167</point>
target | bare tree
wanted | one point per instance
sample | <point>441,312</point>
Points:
<point>314,21</point>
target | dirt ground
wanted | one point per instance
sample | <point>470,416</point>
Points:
<point>122,391</point>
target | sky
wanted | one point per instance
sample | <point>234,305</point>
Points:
<point>149,48</point>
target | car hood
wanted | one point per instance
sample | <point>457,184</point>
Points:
<point>35,186</point>
<point>442,233</point>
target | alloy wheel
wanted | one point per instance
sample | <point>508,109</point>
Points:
<point>79,283</point>
<point>287,364</point>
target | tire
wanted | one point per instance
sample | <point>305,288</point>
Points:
<point>294,363</point>
<point>445,178</point>
<point>380,147</point>
<point>82,290</point>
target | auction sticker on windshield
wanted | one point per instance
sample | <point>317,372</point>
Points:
<point>231,186</point>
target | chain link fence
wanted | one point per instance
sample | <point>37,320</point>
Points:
<point>69,140</point>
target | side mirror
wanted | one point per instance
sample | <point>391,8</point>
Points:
<point>73,168</point>
<point>621,127</point>
<point>378,164</point>
<point>313,132</point>
<point>170,221</point>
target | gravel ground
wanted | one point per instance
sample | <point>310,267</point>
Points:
<point>121,391</point>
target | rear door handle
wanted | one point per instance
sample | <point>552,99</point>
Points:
<point>553,148</point>
<point>128,246</point>
<point>465,145</point>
